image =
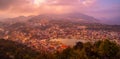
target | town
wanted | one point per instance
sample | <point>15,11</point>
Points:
<point>38,33</point>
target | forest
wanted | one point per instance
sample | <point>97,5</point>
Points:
<point>99,50</point>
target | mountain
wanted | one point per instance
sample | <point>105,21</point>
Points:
<point>82,17</point>
<point>74,17</point>
<point>16,19</point>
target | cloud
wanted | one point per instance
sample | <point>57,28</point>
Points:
<point>6,4</point>
<point>32,7</point>
<point>88,2</point>
<point>62,2</point>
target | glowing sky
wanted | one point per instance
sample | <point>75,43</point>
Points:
<point>98,8</point>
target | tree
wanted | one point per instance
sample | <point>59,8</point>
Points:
<point>79,45</point>
<point>108,49</point>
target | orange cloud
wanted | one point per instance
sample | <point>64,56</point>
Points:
<point>34,7</point>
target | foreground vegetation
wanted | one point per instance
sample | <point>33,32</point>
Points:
<point>99,50</point>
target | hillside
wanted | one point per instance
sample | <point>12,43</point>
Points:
<point>14,50</point>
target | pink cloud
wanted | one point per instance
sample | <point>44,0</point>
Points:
<point>30,7</point>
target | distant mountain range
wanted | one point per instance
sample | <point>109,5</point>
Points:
<point>74,17</point>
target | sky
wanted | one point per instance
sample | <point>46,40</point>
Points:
<point>101,9</point>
